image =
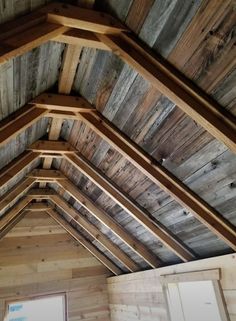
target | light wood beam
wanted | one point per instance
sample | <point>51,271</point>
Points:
<point>63,102</point>
<point>46,174</point>
<point>10,127</point>
<point>163,178</point>
<point>16,166</point>
<point>15,192</point>
<point>109,222</point>
<point>95,233</point>
<point>194,102</point>
<point>81,38</point>
<point>157,229</point>
<point>81,18</point>
<point>23,42</point>
<point>41,192</point>
<point>38,206</point>
<point>13,223</point>
<point>52,147</point>
<point>11,215</point>
<point>84,242</point>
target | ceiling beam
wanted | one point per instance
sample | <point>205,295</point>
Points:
<point>63,102</point>
<point>52,147</point>
<point>163,178</point>
<point>16,166</point>
<point>110,223</point>
<point>168,80</point>
<point>13,223</point>
<point>96,234</point>
<point>81,18</point>
<point>81,38</point>
<point>44,193</point>
<point>84,242</point>
<point>27,40</point>
<point>157,229</point>
<point>46,174</point>
<point>38,206</point>
<point>12,213</point>
<point>12,126</point>
<point>15,192</point>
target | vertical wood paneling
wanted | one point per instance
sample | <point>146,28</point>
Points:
<point>139,296</point>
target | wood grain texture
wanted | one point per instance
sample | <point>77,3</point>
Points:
<point>50,263</point>
<point>140,297</point>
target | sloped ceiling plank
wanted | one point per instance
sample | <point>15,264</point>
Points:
<point>84,242</point>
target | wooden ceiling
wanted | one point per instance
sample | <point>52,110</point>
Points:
<point>132,154</point>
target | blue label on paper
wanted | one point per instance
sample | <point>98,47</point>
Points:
<point>16,307</point>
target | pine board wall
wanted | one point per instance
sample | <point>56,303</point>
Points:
<point>139,296</point>
<point>37,257</point>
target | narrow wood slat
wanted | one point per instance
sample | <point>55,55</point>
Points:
<point>95,233</point>
<point>16,166</point>
<point>163,178</point>
<point>83,241</point>
<point>204,110</point>
<point>11,130</point>
<point>157,229</point>
<point>110,223</point>
<point>15,192</point>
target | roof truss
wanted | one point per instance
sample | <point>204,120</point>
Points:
<point>82,27</point>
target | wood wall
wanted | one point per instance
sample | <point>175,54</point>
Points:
<point>38,257</point>
<point>139,296</point>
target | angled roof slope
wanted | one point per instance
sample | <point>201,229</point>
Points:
<point>113,189</point>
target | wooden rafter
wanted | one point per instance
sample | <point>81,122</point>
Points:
<point>157,229</point>
<point>195,103</point>
<point>81,18</point>
<point>15,192</point>
<point>10,128</point>
<point>63,102</point>
<point>52,147</point>
<point>81,38</point>
<point>110,223</point>
<point>46,174</point>
<point>159,175</point>
<point>16,166</point>
<point>12,214</point>
<point>95,233</point>
<point>84,242</point>
<point>35,36</point>
<point>163,178</point>
<point>38,206</point>
<point>13,223</point>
